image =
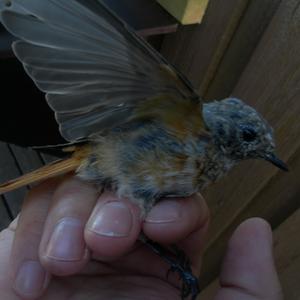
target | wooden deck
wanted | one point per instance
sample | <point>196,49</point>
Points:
<point>14,162</point>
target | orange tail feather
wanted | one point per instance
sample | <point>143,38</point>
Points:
<point>49,171</point>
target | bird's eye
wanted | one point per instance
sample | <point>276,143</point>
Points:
<point>248,133</point>
<point>7,3</point>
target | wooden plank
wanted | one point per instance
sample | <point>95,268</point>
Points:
<point>240,49</point>
<point>214,53</point>
<point>287,246</point>
<point>271,84</point>
<point>197,50</point>
<point>186,11</point>
<point>287,259</point>
<point>27,158</point>
<point>275,96</point>
<point>14,162</point>
<point>10,170</point>
<point>4,215</point>
<point>145,16</point>
<point>290,280</point>
<point>287,255</point>
<point>48,158</point>
<point>210,291</point>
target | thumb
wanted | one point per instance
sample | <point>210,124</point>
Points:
<point>248,270</point>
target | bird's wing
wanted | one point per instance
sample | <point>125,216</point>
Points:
<point>94,70</point>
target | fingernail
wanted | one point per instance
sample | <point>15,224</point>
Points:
<point>67,242</point>
<point>167,211</point>
<point>114,219</point>
<point>31,279</point>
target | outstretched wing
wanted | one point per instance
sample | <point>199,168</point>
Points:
<point>94,70</point>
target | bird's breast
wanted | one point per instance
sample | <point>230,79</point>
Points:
<point>148,163</point>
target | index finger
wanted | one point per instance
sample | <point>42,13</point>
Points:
<point>180,221</point>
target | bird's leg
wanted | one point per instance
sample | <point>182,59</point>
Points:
<point>180,264</point>
<point>190,282</point>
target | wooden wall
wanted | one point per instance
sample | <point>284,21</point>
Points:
<point>251,50</point>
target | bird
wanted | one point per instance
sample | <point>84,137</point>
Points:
<point>133,123</point>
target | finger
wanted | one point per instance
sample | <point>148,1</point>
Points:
<point>30,278</point>
<point>14,224</point>
<point>6,241</point>
<point>248,270</point>
<point>183,221</point>
<point>113,227</point>
<point>62,249</point>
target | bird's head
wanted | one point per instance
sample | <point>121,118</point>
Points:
<point>240,132</point>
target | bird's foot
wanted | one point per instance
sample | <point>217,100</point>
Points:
<point>179,264</point>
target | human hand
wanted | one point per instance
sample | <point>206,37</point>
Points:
<point>94,254</point>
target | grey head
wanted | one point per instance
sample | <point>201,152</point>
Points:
<point>240,132</point>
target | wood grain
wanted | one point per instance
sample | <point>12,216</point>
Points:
<point>210,291</point>
<point>9,170</point>
<point>290,280</point>
<point>4,215</point>
<point>248,33</point>
<point>214,54</point>
<point>15,161</point>
<point>27,158</point>
<point>287,244</point>
<point>197,50</point>
<point>145,16</point>
<point>271,84</point>
<point>47,158</point>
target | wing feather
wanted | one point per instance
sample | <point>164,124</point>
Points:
<point>94,69</point>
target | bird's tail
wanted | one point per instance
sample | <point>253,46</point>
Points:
<point>51,170</point>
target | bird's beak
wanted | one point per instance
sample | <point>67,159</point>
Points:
<point>272,158</point>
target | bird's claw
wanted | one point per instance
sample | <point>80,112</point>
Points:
<point>181,265</point>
